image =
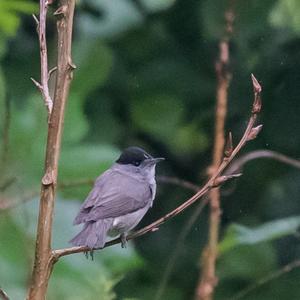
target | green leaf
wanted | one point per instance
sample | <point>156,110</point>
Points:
<point>159,115</point>
<point>75,124</point>
<point>27,139</point>
<point>157,5</point>
<point>247,262</point>
<point>237,235</point>
<point>12,240</point>
<point>84,161</point>
<point>9,14</point>
<point>94,63</point>
<point>286,14</point>
<point>189,139</point>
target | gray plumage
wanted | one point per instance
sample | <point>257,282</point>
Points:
<point>120,198</point>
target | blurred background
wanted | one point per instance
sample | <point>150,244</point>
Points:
<point>146,76</point>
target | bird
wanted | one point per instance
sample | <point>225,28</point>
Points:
<point>120,198</point>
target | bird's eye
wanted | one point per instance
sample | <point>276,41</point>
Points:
<point>137,163</point>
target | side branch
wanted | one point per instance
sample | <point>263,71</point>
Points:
<point>272,276</point>
<point>211,183</point>
<point>41,30</point>
<point>3,295</point>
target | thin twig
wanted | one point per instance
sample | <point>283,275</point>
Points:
<point>179,182</point>
<point>10,203</point>
<point>3,295</point>
<point>56,254</point>
<point>274,275</point>
<point>207,279</point>
<point>7,183</point>
<point>51,71</point>
<point>41,30</point>
<point>239,163</point>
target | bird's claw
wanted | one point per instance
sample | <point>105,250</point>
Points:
<point>89,254</point>
<point>123,241</point>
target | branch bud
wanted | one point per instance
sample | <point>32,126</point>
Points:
<point>228,145</point>
<point>61,11</point>
<point>254,132</point>
<point>221,179</point>
<point>256,108</point>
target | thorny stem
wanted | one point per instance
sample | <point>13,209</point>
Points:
<point>56,254</point>
<point>42,263</point>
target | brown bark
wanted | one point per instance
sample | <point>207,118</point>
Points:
<point>208,279</point>
<point>42,262</point>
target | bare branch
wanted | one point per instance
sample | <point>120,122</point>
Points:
<point>41,30</point>
<point>56,254</point>
<point>51,71</point>
<point>3,295</point>
<point>208,280</point>
<point>222,179</point>
<point>179,182</point>
<point>7,183</point>
<point>9,203</point>
<point>272,276</point>
<point>43,263</point>
<point>238,164</point>
<point>257,91</point>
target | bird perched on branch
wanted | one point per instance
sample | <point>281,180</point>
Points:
<point>120,198</point>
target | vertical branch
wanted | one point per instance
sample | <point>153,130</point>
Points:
<point>208,278</point>
<point>43,262</point>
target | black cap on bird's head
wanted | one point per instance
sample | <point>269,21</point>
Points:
<point>135,156</point>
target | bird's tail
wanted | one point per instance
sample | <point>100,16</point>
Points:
<point>93,234</point>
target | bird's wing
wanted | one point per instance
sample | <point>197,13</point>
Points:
<point>114,194</point>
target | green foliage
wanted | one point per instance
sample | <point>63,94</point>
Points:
<point>237,235</point>
<point>10,11</point>
<point>73,277</point>
<point>286,14</point>
<point>145,76</point>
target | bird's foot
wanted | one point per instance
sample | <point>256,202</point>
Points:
<point>123,240</point>
<point>89,254</point>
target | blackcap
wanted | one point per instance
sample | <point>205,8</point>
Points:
<point>120,198</point>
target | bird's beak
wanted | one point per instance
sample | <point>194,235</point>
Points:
<point>154,161</point>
